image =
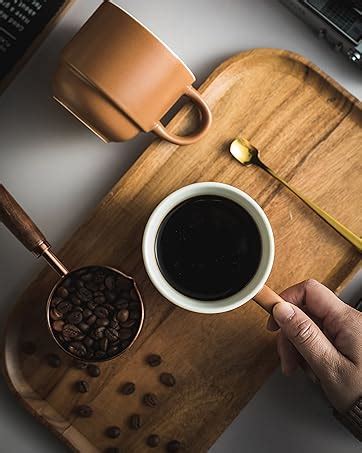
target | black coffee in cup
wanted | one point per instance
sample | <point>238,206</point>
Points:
<point>208,247</point>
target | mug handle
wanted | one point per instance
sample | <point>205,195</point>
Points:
<point>267,298</point>
<point>206,119</point>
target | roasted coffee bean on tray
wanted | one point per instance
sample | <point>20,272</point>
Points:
<point>53,360</point>
<point>84,411</point>
<point>135,421</point>
<point>113,432</point>
<point>95,313</point>
<point>82,386</point>
<point>153,440</point>
<point>154,360</point>
<point>128,388</point>
<point>173,446</point>
<point>167,379</point>
<point>150,400</point>
<point>93,370</point>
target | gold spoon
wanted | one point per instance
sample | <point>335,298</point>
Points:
<point>247,155</point>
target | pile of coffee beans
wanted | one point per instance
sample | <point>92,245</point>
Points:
<point>95,313</point>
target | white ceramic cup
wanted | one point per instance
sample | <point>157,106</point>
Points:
<point>205,306</point>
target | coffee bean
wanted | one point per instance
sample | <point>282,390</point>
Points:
<point>79,284</point>
<point>123,315</point>
<point>99,355</point>
<point>173,446</point>
<point>112,450</point>
<point>112,334</point>
<point>99,299</point>
<point>54,314</point>
<point>135,422</point>
<point>123,283</point>
<point>85,295</point>
<point>111,296</point>
<point>70,331</point>
<point>167,379</point>
<point>92,286</point>
<point>80,365</point>
<point>53,360</point>
<point>91,320</point>
<point>128,388</point>
<point>99,277</point>
<point>74,317</point>
<point>82,386</point>
<point>125,295</point>
<point>87,313</point>
<point>93,370</point>
<point>121,303</point>
<point>101,312</point>
<point>153,440</point>
<point>150,400</point>
<point>134,315</point>
<point>64,307</point>
<point>129,323</point>
<point>62,292</point>
<point>114,324</point>
<point>98,333</point>
<point>85,411</point>
<point>113,432</point>
<point>58,325</point>
<point>75,300</point>
<point>103,344</point>
<point>110,282</point>
<point>83,326</point>
<point>109,307</point>
<point>87,277</point>
<point>102,322</point>
<point>28,348</point>
<point>88,342</point>
<point>113,350</point>
<point>124,334</point>
<point>77,349</point>
<point>154,360</point>
<point>67,283</point>
<point>91,305</point>
<point>124,344</point>
<point>134,295</point>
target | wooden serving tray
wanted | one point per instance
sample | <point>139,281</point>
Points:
<point>309,130</point>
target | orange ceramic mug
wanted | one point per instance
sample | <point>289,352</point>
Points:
<point>119,79</point>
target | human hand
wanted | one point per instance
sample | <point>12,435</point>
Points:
<point>318,329</point>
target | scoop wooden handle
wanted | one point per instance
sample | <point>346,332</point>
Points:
<point>20,224</point>
<point>267,298</point>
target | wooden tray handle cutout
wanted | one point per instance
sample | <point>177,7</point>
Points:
<point>20,224</point>
<point>267,298</point>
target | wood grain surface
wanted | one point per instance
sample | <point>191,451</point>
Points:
<point>308,129</point>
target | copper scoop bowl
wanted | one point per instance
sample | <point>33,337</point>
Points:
<point>19,223</point>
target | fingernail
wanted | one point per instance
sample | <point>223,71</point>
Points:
<point>283,312</point>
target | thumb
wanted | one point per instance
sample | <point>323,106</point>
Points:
<point>307,338</point>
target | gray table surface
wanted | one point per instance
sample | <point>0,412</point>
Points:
<point>59,171</point>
